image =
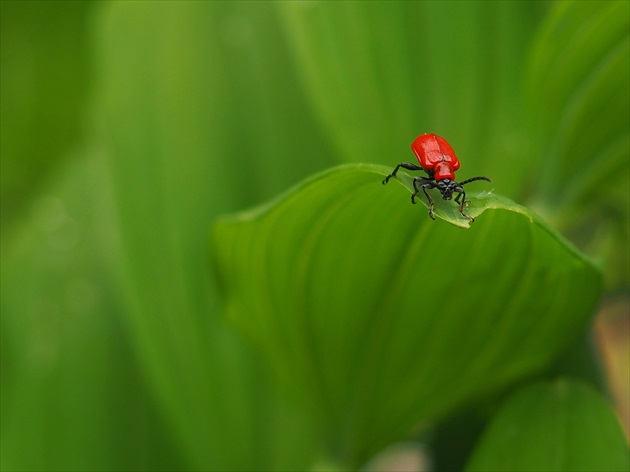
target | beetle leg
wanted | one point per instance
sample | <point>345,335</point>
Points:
<point>462,204</point>
<point>416,190</point>
<point>424,189</point>
<point>405,165</point>
<point>424,185</point>
<point>459,196</point>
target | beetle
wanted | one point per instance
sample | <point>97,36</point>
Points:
<point>437,158</point>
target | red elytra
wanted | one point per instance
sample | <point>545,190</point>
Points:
<point>434,153</point>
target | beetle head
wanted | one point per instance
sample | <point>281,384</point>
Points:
<point>447,187</point>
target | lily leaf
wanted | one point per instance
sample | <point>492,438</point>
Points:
<point>553,427</point>
<point>382,320</point>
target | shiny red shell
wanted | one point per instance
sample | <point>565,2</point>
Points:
<point>436,154</point>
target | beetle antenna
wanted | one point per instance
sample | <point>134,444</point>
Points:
<point>473,179</point>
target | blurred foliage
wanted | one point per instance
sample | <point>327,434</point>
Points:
<point>579,432</point>
<point>578,87</point>
<point>127,127</point>
<point>73,393</point>
<point>45,79</point>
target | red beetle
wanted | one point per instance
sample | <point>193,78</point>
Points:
<point>438,160</point>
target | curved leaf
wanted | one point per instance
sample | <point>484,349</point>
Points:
<point>380,318</point>
<point>553,427</point>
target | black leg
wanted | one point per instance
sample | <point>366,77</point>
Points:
<point>458,198</point>
<point>424,185</point>
<point>416,190</point>
<point>405,165</point>
<point>431,203</point>
<point>462,204</point>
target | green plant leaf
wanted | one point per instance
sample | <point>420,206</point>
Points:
<point>558,426</point>
<point>579,87</point>
<point>175,79</point>
<point>381,319</point>
<point>578,81</point>
<point>381,73</point>
<point>69,378</point>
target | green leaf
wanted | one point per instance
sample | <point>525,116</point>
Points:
<point>380,73</point>
<point>381,319</point>
<point>549,427</point>
<point>578,85</point>
<point>70,379</point>
<point>579,88</point>
<point>182,91</point>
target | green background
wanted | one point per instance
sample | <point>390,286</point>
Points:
<point>128,128</point>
